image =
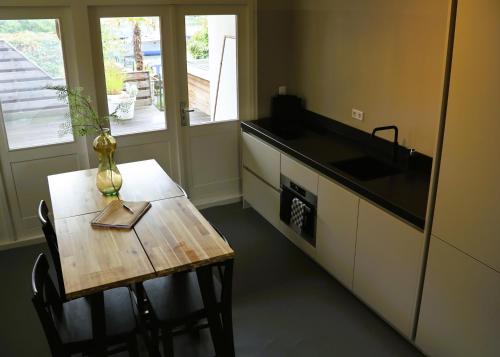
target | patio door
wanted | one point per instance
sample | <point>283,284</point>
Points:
<point>215,71</point>
<point>134,67</point>
<point>185,74</point>
<point>36,50</point>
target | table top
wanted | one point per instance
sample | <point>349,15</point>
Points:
<point>95,258</point>
<point>172,236</point>
<point>75,193</point>
<point>177,237</point>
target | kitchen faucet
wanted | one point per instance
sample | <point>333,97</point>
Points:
<point>395,142</point>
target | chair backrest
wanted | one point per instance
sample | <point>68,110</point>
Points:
<point>47,302</point>
<point>219,232</point>
<point>51,238</point>
<point>182,190</point>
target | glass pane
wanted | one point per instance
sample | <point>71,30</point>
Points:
<point>212,68</point>
<point>30,60</point>
<point>134,73</point>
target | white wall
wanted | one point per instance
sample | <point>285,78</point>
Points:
<point>274,44</point>
<point>385,57</point>
<point>6,233</point>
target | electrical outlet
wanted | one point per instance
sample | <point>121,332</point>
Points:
<point>282,90</point>
<point>357,114</point>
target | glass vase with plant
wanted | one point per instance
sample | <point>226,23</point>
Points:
<point>83,120</point>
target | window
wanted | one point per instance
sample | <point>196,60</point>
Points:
<point>31,59</point>
<point>134,73</point>
<point>212,68</point>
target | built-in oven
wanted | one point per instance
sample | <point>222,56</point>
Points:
<point>298,209</point>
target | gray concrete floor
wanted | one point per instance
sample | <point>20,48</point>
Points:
<point>285,305</point>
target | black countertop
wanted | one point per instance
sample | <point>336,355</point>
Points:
<point>323,141</point>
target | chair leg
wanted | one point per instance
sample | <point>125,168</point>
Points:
<point>153,344</point>
<point>133,350</point>
<point>168,342</point>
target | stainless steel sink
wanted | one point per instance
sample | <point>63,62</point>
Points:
<point>366,168</point>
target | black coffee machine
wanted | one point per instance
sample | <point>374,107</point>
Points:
<point>287,113</point>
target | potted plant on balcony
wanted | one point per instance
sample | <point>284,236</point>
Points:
<point>119,101</point>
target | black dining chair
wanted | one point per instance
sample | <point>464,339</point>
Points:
<point>68,324</point>
<point>51,239</point>
<point>177,307</point>
<point>182,190</point>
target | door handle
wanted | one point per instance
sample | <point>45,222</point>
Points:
<point>185,110</point>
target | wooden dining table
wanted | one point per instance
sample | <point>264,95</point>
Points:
<point>171,237</point>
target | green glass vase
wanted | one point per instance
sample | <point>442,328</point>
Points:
<point>109,179</point>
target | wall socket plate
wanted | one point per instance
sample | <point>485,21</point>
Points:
<point>282,90</point>
<point>357,114</point>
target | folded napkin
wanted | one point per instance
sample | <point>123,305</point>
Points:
<point>121,214</point>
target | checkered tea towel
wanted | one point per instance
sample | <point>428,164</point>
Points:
<point>298,213</point>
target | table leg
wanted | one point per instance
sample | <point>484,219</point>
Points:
<point>227,307</point>
<point>98,322</point>
<point>206,282</point>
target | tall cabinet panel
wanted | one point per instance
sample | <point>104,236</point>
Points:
<point>468,202</point>
<point>460,310</point>
<point>460,307</point>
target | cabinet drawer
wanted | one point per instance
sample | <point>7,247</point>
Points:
<point>262,197</point>
<point>300,174</point>
<point>262,159</point>
<point>387,265</point>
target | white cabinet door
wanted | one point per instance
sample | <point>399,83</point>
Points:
<point>460,312</point>
<point>336,230</point>
<point>387,265</point>
<point>262,159</point>
<point>262,197</point>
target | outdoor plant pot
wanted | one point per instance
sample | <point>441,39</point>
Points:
<point>126,103</point>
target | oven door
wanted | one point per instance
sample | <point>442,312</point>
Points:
<point>298,213</point>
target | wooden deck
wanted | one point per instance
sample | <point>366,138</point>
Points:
<point>44,128</point>
<point>146,118</point>
<point>33,114</point>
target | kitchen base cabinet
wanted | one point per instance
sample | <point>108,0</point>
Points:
<point>262,197</point>
<point>299,241</point>
<point>336,230</point>
<point>262,159</point>
<point>460,311</point>
<point>299,174</point>
<point>387,265</point>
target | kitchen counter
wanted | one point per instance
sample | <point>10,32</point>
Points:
<point>321,141</point>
